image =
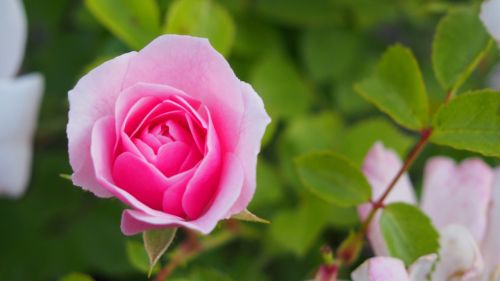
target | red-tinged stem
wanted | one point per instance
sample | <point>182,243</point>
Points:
<point>379,203</point>
<point>412,156</point>
<point>192,247</point>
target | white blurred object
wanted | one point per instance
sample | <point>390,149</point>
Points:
<point>13,34</point>
<point>494,78</point>
<point>19,102</point>
<point>490,16</point>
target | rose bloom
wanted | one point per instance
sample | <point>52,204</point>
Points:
<point>171,132</point>
<point>463,202</point>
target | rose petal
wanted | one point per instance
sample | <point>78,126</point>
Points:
<point>140,179</point>
<point>133,94</point>
<point>490,15</point>
<point>136,114</point>
<point>171,156</point>
<point>202,187</point>
<point>253,126</point>
<point>135,221</point>
<point>145,150</point>
<point>459,256</point>
<point>380,167</point>
<point>421,269</point>
<point>491,243</point>
<point>457,194</point>
<point>19,104</point>
<point>93,97</point>
<point>380,269</point>
<point>13,31</point>
<point>191,65</point>
<point>102,151</point>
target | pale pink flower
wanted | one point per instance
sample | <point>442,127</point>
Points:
<point>462,201</point>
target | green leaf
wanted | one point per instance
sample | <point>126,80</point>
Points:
<point>138,257</point>
<point>76,277</point>
<point>202,18</point>
<point>360,137</point>
<point>299,12</point>
<point>135,22</point>
<point>325,58</point>
<point>269,187</point>
<point>408,232</point>
<point>397,88</point>
<point>307,133</point>
<point>251,35</point>
<point>459,44</point>
<point>297,229</point>
<point>156,242</point>
<point>470,121</point>
<point>283,90</point>
<point>246,215</point>
<point>333,179</point>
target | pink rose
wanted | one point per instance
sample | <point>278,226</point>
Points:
<point>170,131</point>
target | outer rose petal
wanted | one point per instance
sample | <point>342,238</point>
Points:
<point>380,166</point>
<point>460,258</point>
<point>93,97</point>
<point>13,33</point>
<point>381,269</point>
<point>422,267</point>
<point>134,221</point>
<point>19,104</point>
<point>457,194</point>
<point>491,243</point>
<point>252,129</point>
<point>103,143</point>
<point>490,15</point>
<point>193,66</point>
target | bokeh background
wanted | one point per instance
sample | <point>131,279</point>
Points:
<point>302,57</point>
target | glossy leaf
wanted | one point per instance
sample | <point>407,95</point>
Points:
<point>470,121</point>
<point>459,44</point>
<point>136,22</point>
<point>298,12</point>
<point>408,232</point>
<point>329,53</point>
<point>202,18</point>
<point>397,88</point>
<point>360,137</point>
<point>297,229</point>
<point>333,179</point>
<point>282,88</point>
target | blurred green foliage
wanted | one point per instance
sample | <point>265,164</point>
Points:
<point>303,57</point>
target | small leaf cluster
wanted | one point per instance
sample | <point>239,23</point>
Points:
<point>467,120</point>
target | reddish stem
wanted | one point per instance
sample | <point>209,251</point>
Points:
<point>412,156</point>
